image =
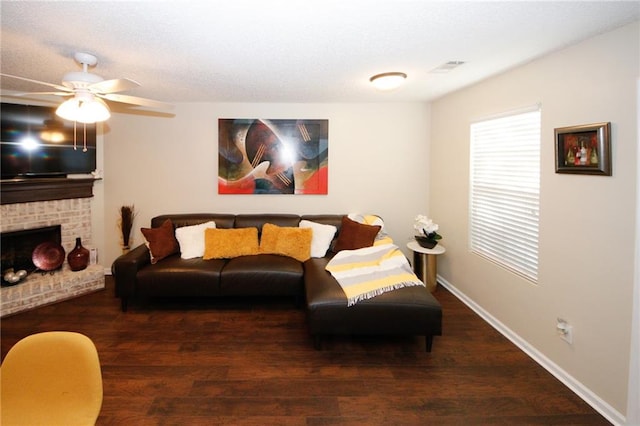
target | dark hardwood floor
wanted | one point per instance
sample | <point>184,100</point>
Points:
<point>253,363</point>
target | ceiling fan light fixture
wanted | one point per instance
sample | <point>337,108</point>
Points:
<point>84,108</point>
<point>388,80</point>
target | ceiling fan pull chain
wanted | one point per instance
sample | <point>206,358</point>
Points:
<point>75,148</point>
<point>84,148</point>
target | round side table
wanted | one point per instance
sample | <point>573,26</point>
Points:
<point>425,263</point>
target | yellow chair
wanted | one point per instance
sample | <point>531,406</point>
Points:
<point>51,378</point>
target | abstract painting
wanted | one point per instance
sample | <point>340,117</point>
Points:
<point>259,156</point>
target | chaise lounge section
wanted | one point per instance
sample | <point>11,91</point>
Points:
<point>411,311</point>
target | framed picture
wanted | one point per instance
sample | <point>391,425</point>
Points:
<point>584,149</point>
<point>260,156</point>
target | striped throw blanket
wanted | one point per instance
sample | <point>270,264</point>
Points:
<point>371,271</point>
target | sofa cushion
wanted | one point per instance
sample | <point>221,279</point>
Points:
<point>286,241</point>
<point>262,275</point>
<point>191,239</point>
<point>161,241</point>
<point>354,235</point>
<point>230,243</point>
<point>177,277</point>
<point>321,237</point>
<point>258,220</point>
<point>222,220</point>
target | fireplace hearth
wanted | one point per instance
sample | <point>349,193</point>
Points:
<point>17,247</point>
<point>73,215</point>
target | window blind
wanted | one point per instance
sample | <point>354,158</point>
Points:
<point>505,191</point>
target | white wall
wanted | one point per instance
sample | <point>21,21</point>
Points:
<point>378,157</point>
<point>587,223</point>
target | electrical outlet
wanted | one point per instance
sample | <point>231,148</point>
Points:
<point>564,330</point>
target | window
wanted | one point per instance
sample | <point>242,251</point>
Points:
<point>505,191</point>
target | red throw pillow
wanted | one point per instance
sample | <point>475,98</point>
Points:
<point>354,235</point>
<point>161,241</point>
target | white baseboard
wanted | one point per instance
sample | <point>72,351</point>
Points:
<point>576,386</point>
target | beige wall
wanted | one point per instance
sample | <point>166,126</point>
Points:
<point>382,161</point>
<point>378,157</point>
<point>587,223</point>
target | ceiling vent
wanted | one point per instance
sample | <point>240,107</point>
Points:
<point>446,67</point>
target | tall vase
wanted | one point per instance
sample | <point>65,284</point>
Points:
<point>78,258</point>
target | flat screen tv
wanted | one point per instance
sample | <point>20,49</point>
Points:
<point>37,143</point>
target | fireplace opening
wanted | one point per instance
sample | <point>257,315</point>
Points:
<point>17,246</point>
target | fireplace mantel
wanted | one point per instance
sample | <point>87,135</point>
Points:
<point>14,191</point>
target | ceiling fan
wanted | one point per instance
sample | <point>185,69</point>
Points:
<point>89,92</point>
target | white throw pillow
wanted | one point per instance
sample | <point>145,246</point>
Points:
<point>191,239</point>
<point>322,237</point>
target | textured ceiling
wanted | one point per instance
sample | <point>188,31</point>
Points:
<point>291,51</point>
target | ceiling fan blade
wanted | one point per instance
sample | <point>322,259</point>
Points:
<point>150,103</point>
<point>44,93</point>
<point>115,85</point>
<point>55,86</point>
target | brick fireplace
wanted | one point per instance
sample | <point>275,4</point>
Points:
<point>74,217</point>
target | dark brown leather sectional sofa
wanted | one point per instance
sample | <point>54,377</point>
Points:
<point>406,311</point>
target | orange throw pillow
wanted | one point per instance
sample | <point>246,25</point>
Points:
<point>229,243</point>
<point>286,241</point>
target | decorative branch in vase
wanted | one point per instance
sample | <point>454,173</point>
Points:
<point>127,214</point>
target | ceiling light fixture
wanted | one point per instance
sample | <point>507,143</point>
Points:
<point>84,108</point>
<point>388,80</point>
